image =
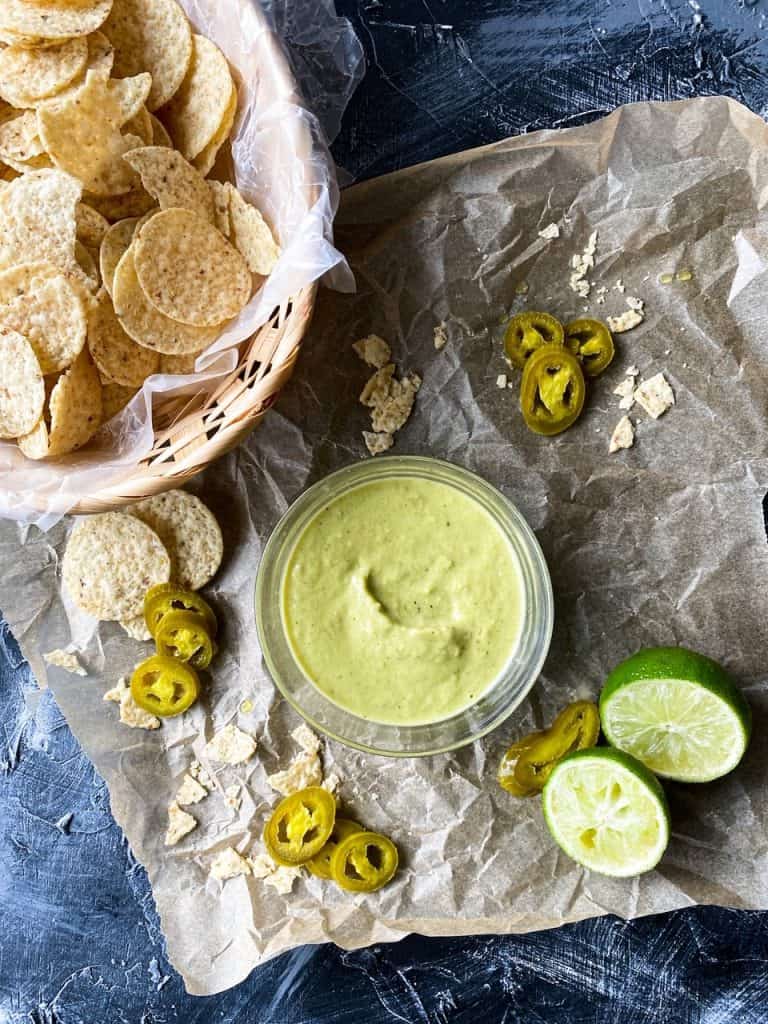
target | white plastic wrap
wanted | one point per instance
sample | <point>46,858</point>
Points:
<point>282,164</point>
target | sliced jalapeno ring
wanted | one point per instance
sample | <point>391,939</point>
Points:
<point>168,597</point>
<point>184,635</point>
<point>164,686</point>
<point>527,332</point>
<point>506,773</point>
<point>591,342</point>
<point>575,728</point>
<point>320,865</point>
<point>553,390</point>
<point>300,826</point>
<point>364,862</point>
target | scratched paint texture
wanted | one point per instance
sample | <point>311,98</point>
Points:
<point>79,936</point>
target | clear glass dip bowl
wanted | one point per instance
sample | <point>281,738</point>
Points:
<point>467,725</point>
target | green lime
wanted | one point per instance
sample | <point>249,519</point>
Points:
<point>678,712</point>
<point>607,812</point>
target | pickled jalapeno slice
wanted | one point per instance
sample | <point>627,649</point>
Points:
<point>553,390</point>
<point>577,727</point>
<point>591,342</point>
<point>168,597</point>
<point>186,636</point>
<point>164,686</point>
<point>364,862</point>
<point>300,826</point>
<point>528,332</point>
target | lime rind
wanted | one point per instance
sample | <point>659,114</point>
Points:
<point>607,812</point>
<point>678,712</point>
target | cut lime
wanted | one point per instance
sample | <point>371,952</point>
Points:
<point>607,812</point>
<point>677,712</point>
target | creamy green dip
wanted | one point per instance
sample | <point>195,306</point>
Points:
<point>402,601</point>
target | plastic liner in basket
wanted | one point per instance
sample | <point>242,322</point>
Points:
<point>281,163</point>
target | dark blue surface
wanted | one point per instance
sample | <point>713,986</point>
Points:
<point>80,938</point>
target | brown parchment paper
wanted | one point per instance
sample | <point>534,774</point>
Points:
<point>661,544</point>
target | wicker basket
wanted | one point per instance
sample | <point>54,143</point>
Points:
<point>190,432</point>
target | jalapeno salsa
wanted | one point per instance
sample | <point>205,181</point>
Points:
<point>403,600</point>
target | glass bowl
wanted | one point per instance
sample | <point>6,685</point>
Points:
<point>467,725</point>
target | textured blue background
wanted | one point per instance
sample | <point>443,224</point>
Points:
<point>80,939</point>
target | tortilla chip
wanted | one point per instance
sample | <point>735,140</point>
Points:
<point>82,133</point>
<point>251,235</point>
<point>160,136</point>
<point>117,357</point>
<point>75,406</point>
<point>22,391</point>
<point>196,112</point>
<point>42,21</point>
<point>189,271</point>
<point>115,208</point>
<point>40,303</point>
<point>38,220</point>
<point>19,139</point>
<point>114,244</point>
<point>220,193</point>
<point>189,532</point>
<point>207,157</point>
<point>181,364</point>
<point>153,36</point>
<point>110,562</point>
<point>35,444</point>
<point>89,265</point>
<point>147,325</point>
<point>91,226</point>
<point>27,76</point>
<point>173,182</point>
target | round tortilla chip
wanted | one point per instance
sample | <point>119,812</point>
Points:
<point>83,132</point>
<point>110,562</point>
<point>114,398</point>
<point>147,325</point>
<point>50,20</point>
<point>173,182</point>
<point>141,127</point>
<point>189,271</point>
<point>113,246</point>
<point>153,36</point>
<point>22,391</point>
<point>101,57</point>
<point>207,157</point>
<point>190,533</point>
<point>160,136</point>
<point>87,263</point>
<point>117,357</point>
<point>27,76</point>
<point>35,444</point>
<point>194,115</point>
<point>39,302</point>
<point>75,407</point>
<point>91,226</point>
<point>38,220</point>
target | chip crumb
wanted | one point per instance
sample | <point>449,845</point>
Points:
<point>376,443</point>
<point>634,303</point>
<point>373,350</point>
<point>306,739</point>
<point>232,797</point>
<point>620,286</point>
<point>624,321</point>
<point>231,746</point>
<point>199,774</point>
<point>623,435</point>
<point>130,713</point>
<point>501,380</point>
<point>280,878</point>
<point>229,864</point>
<point>331,782</point>
<point>550,231</point>
<point>65,659</point>
<point>304,770</point>
<point>440,336</point>
<point>136,628</point>
<point>190,791</point>
<point>633,371</point>
<point>626,392</point>
<point>180,824</point>
<point>655,395</point>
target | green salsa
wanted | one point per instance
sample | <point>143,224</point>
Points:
<point>403,601</point>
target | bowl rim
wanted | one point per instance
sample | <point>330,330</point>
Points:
<point>389,466</point>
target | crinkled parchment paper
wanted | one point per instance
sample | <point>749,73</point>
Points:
<point>661,544</point>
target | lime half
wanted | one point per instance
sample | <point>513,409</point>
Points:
<point>677,712</point>
<point>607,812</point>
